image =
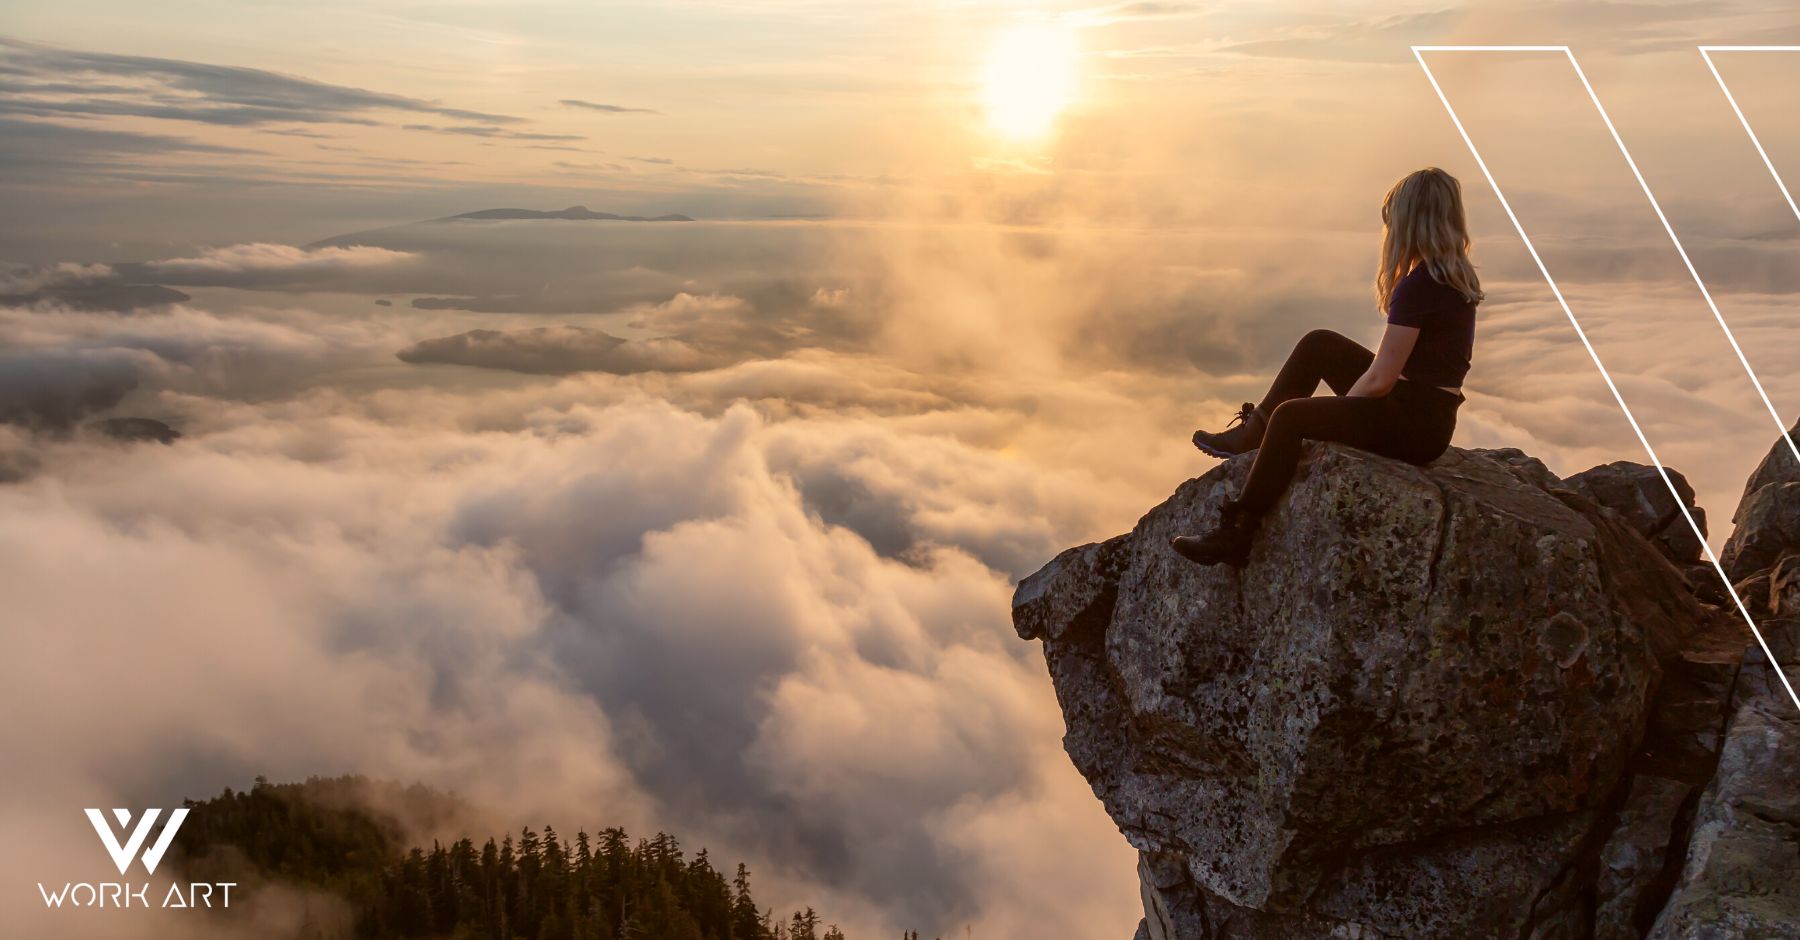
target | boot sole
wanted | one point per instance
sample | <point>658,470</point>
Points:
<point>1218,452</point>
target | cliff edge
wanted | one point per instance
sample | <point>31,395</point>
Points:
<point>1468,700</point>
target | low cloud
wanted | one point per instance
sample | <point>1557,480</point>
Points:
<point>81,287</point>
<point>20,279</point>
<point>567,597</point>
<point>687,331</point>
<point>605,108</point>
<point>740,328</point>
<point>559,350</point>
<point>54,390</point>
<point>476,130</point>
<point>263,264</point>
<point>59,366</point>
<point>762,604</point>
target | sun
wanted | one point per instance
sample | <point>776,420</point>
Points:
<point>1029,78</point>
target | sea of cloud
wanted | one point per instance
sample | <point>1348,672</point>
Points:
<point>705,528</point>
<point>762,605</point>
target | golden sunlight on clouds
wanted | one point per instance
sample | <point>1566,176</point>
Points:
<point>1029,78</point>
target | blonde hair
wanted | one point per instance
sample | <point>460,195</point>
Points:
<point>1422,223</point>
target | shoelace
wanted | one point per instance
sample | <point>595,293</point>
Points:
<point>1243,416</point>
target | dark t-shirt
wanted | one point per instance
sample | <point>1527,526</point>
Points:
<point>1446,324</point>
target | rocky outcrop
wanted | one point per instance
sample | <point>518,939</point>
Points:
<point>1639,494</point>
<point>1767,521</point>
<point>1763,554</point>
<point>1668,520</point>
<point>1469,700</point>
<point>1741,875</point>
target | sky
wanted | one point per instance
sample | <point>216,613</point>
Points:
<point>712,526</point>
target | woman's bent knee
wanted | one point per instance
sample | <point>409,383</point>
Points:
<point>1288,419</point>
<point>1324,338</point>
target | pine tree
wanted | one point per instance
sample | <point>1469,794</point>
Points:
<point>746,920</point>
<point>804,925</point>
<point>586,904</point>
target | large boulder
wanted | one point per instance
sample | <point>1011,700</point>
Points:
<point>1411,714</point>
<point>1658,510</point>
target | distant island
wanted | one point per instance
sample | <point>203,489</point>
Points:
<point>573,212</point>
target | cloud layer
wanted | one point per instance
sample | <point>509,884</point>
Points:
<point>41,78</point>
<point>783,637</point>
<point>267,265</point>
<point>758,599</point>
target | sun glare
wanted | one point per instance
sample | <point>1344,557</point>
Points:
<point>1029,78</point>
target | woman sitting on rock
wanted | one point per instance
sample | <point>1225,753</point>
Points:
<point>1399,401</point>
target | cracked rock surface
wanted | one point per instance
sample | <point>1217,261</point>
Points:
<point>1468,700</point>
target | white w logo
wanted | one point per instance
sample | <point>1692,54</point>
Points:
<point>123,854</point>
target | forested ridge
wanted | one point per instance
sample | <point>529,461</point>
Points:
<point>327,834</point>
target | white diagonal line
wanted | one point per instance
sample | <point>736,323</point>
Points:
<point>1418,49</point>
<point>1661,470</point>
<point>1780,425</point>
<point>1706,53</point>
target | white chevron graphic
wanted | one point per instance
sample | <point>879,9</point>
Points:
<point>1781,427</point>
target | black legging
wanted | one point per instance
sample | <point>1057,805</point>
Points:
<point>1412,422</point>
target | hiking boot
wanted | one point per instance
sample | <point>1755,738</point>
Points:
<point>1227,544</point>
<point>1242,435</point>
